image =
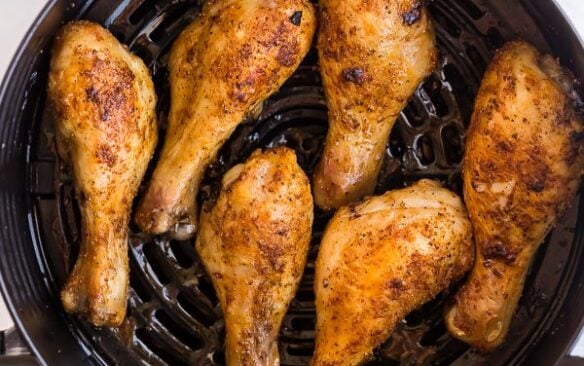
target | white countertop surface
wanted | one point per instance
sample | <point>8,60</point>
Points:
<point>17,15</point>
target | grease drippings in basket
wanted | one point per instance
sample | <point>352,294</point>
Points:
<point>522,165</point>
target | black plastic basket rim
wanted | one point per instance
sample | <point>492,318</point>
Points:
<point>15,219</point>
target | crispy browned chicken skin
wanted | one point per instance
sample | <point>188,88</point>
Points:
<point>104,103</point>
<point>372,55</point>
<point>521,169</point>
<point>381,259</point>
<point>254,243</point>
<point>231,58</point>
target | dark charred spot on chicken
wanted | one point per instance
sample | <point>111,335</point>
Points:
<point>511,83</point>
<point>191,55</point>
<point>277,176</point>
<point>504,146</point>
<point>273,253</point>
<point>245,52</point>
<point>355,75</point>
<point>92,94</point>
<point>536,185</point>
<point>105,155</point>
<point>496,250</point>
<point>576,147</point>
<point>413,14</point>
<point>239,95</point>
<point>296,18</point>
<point>395,284</point>
<point>395,287</point>
<point>105,115</point>
<point>274,38</point>
<point>487,166</point>
<point>287,54</point>
<point>353,211</point>
<point>110,89</point>
<point>577,137</point>
<point>353,124</point>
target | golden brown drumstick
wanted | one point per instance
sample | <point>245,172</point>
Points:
<point>372,55</point>
<point>223,65</point>
<point>522,166</point>
<point>254,243</point>
<point>381,259</point>
<point>104,103</point>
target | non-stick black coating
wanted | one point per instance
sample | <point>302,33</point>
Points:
<point>30,274</point>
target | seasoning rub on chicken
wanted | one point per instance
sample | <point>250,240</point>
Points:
<point>222,66</point>
<point>381,259</point>
<point>372,55</point>
<point>522,167</point>
<point>104,104</point>
<point>254,242</point>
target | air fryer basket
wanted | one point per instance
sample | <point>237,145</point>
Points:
<point>173,315</point>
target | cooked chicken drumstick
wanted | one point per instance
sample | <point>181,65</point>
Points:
<point>373,55</point>
<point>104,103</point>
<point>522,166</point>
<point>254,243</point>
<point>381,259</point>
<point>223,65</point>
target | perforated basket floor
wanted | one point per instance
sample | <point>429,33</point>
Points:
<point>173,314</point>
